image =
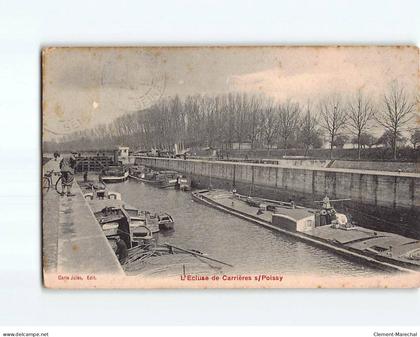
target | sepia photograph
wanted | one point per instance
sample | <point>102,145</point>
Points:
<point>230,167</point>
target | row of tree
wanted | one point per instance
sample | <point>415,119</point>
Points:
<point>219,121</point>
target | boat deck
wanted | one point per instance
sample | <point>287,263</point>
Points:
<point>173,265</point>
<point>229,200</point>
<point>97,205</point>
<point>360,239</point>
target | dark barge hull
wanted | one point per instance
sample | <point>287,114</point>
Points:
<point>152,182</point>
<point>108,180</point>
<point>115,179</point>
<point>381,262</point>
<point>166,226</point>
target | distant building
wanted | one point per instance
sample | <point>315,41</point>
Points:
<point>123,155</point>
<point>123,151</point>
<point>241,146</point>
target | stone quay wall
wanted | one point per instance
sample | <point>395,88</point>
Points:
<point>376,188</point>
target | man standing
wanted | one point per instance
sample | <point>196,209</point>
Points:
<point>121,251</point>
<point>67,166</point>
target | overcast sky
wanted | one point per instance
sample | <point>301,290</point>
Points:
<point>83,87</point>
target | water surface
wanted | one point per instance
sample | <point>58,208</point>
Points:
<point>249,247</point>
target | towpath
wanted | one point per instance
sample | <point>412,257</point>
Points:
<point>73,241</point>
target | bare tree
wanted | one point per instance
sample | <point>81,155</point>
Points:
<point>415,137</point>
<point>309,132</point>
<point>397,112</point>
<point>333,118</point>
<point>239,107</point>
<point>270,124</point>
<point>361,113</point>
<point>366,139</point>
<point>340,141</point>
<point>289,115</point>
<point>254,120</point>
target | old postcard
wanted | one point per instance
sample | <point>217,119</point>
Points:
<point>230,167</point>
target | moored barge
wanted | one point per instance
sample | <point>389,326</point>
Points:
<point>114,174</point>
<point>161,179</point>
<point>323,227</point>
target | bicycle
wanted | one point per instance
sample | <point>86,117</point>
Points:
<point>47,182</point>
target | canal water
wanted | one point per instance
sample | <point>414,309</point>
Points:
<point>249,247</point>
